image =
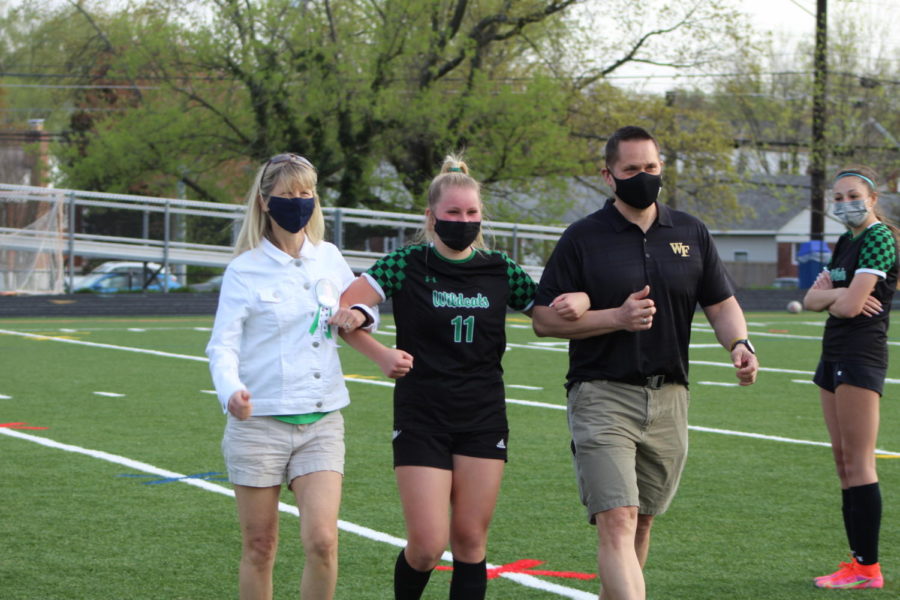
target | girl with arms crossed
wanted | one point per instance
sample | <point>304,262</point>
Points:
<point>274,362</point>
<point>856,289</point>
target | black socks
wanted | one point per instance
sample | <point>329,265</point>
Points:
<point>848,522</point>
<point>408,583</point>
<point>862,517</point>
<point>469,580</point>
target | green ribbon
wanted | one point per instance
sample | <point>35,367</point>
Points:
<point>315,323</point>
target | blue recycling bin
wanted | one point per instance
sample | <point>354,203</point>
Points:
<point>812,257</point>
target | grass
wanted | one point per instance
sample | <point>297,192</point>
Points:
<point>76,527</point>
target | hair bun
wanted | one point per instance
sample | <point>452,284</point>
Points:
<point>454,164</point>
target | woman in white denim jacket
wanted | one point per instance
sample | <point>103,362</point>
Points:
<point>274,361</point>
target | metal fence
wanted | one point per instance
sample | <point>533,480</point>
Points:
<point>172,231</point>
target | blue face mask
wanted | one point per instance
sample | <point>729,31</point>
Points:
<point>291,214</point>
<point>851,213</point>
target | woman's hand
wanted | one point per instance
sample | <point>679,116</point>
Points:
<point>872,306</point>
<point>823,281</point>
<point>347,319</point>
<point>239,405</point>
<point>571,305</point>
<point>394,363</point>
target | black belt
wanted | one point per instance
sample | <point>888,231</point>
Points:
<point>654,382</point>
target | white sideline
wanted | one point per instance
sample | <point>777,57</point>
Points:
<point>509,400</point>
<point>378,536</point>
<point>521,578</point>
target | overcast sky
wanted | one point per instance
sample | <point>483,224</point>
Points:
<point>790,22</point>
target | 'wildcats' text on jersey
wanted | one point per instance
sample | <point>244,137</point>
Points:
<point>440,299</point>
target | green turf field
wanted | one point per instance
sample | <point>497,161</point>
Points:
<point>94,504</point>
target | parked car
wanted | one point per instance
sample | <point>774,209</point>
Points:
<point>213,284</point>
<point>124,276</point>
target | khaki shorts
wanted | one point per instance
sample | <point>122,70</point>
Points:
<point>629,444</point>
<point>264,452</point>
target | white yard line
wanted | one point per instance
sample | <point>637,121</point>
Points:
<point>378,382</point>
<point>366,532</point>
<point>521,578</point>
<point>49,338</point>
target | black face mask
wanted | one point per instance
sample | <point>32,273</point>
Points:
<point>458,235</point>
<point>639,191</point>
<point>291,214</point>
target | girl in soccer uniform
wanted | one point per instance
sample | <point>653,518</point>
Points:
<point>275,366</point>
<point>450,437</point>
<point>856,289</point>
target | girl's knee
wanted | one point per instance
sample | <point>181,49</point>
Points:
<point>424,555</point>
<point>469,545</point>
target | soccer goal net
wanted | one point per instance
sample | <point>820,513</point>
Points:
<point>32,242</point>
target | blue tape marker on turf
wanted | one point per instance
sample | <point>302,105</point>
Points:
<point>209,476</point>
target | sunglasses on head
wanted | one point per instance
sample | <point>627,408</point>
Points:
<point>286,157</point>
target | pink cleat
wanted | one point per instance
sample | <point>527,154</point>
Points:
<point>852,576</point>
<point>843,570</point>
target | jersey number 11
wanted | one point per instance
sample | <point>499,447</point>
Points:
<point>458,323</point>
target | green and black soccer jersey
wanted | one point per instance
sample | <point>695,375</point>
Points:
<point>862,339</point>
<point>451,316</point>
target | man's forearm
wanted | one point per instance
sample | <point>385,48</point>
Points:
<point>727,320</point>
<point>547,323</point>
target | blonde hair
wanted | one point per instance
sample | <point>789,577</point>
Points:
<point>291,173</point>
<point>454,173</point>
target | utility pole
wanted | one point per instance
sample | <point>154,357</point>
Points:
<point>819,117</point>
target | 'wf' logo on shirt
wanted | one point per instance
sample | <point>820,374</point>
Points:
<point>680,248</point>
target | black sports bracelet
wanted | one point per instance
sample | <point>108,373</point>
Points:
<point>369,319</point>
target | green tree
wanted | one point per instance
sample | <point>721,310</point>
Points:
<point>768,100</point>
<point>375,92</point>
<point>696,145</point>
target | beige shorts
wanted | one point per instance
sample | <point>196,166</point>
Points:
<point>264,452</point>
<point>629,444</point>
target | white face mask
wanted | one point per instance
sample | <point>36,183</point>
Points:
<point>851,213</point>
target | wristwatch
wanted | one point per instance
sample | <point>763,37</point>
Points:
<point>745,342</point>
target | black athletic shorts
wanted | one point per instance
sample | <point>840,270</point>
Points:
<point>830,374</point>
<point>428,449</point>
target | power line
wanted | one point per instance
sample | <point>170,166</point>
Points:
<point>803,8</point>
<point>500,80</point>
<point>143,77</point>
<point>61,108</point>
<point>79,87</point>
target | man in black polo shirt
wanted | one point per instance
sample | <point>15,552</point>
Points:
<point>645,268</point>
